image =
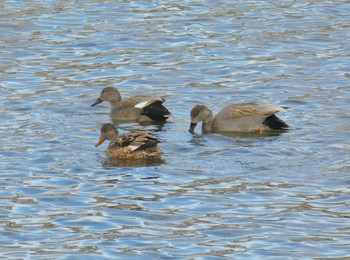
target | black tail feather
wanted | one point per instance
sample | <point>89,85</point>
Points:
<point>156,112</point>
<point>275,123</point>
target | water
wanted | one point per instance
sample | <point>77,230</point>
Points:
<point>211,196</point>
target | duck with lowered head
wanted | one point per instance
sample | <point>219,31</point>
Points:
<point>239,117</point>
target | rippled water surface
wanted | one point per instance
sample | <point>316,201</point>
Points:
<point>282,196</point>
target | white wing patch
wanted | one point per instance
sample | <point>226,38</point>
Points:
<point>148,102</point>
<point>144,104</point>
<point>134,147</point>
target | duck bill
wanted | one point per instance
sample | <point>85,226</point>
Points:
<point>192,127</point>
<point>98,101</point>
<point>100,141</point>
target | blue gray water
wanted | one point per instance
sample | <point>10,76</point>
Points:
<point>283,196</point>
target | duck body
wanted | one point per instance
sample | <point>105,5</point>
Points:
<point>239,117</point>
<point>128,153</point>
<point>138,108</point>
<point>132,145</point>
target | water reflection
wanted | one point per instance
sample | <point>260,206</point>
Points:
<point>253,134</point>
<point>222,137</point>
<point>111,162</point>
<point>125,125</point>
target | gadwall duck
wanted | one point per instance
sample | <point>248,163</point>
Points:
<point>138,108</point>
<point>132,145</point>
<point>240,117</point>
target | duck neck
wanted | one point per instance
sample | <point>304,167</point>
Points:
<point>114,107</point>
<point>111,136</point>
<point>115,104</point>
<point>207,123</point>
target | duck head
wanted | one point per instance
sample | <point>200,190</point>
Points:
<point>108,131</point>
<point>110,94</point>
<point>199,113</point>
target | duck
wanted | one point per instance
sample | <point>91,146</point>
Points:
<point>138,108</point>
<point>131,145</point>
<point>239,117</point>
